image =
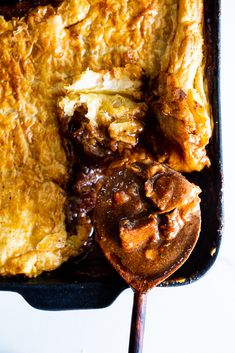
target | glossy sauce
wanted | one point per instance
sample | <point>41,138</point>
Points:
<point>142,240</point>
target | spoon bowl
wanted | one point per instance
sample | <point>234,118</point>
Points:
<point>147,221</point>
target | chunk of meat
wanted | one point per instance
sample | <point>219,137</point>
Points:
<point>173,222</point>
<point>136,233</point>
<point>169,190</point>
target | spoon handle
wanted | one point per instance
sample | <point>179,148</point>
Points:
<point>137,322</point>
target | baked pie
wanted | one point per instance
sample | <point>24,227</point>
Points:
<point>83,83</point>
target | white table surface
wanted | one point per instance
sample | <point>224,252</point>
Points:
<point>199,318</point>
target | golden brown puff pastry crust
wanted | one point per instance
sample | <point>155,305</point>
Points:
<point>40,53</point>
<point>33,64</point>
<point>180,97</point>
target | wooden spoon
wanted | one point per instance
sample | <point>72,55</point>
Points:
<point>147,220</point>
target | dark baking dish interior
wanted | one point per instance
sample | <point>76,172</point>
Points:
<point>91,282</point>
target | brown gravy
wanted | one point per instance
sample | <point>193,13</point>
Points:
<point>144,237</point>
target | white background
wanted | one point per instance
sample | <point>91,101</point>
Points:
<point>199,318</point>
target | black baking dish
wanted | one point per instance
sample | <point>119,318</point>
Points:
<point>90,282</point>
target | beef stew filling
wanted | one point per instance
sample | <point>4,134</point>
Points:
<point>141,228</point>
<point>143,212</point>
<point>82,200</point>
